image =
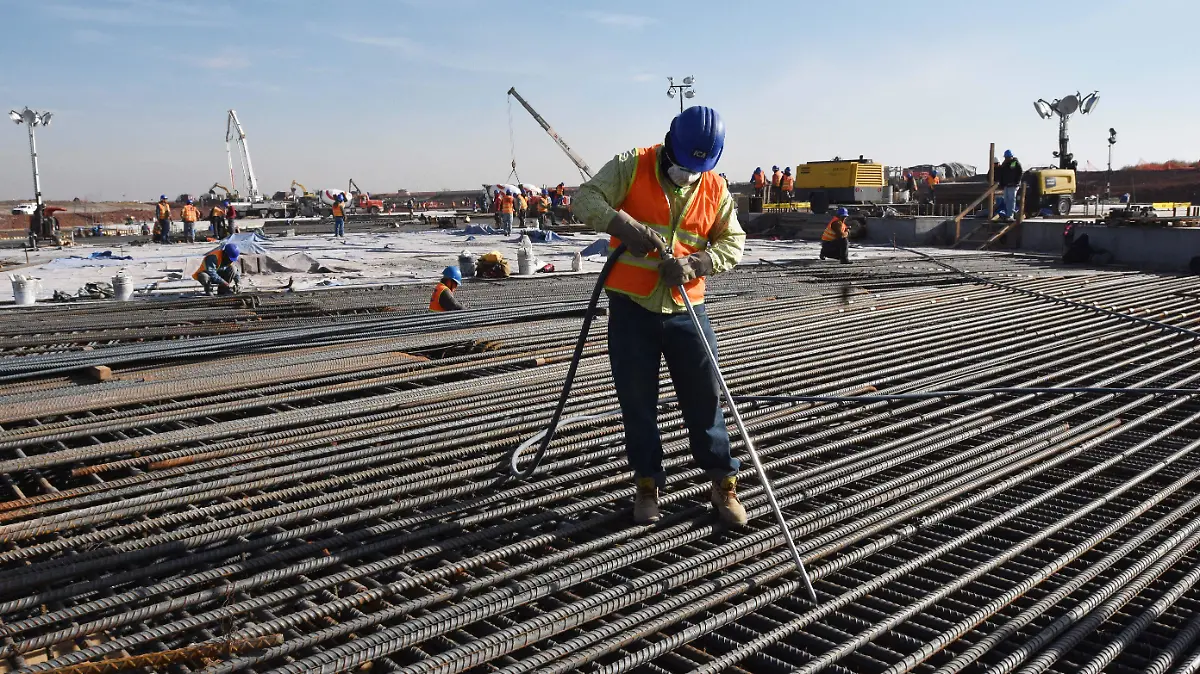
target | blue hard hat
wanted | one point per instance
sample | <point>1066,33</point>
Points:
<point>842,212</point>
<point>697,138</point>
<point>231,251</point>
<point>452,273</point>
<point>1008,154</point>
<point>788,170</point>
<point>774,168</point>
<point>162,197</point>
<point>190,201</point>
<point>226,202</point>
<point>758,169</point>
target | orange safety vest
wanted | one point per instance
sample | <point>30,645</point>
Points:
<point>646,203</point>
<point>216,212</point>
<point>435,301</point>
<point>788,182</point>
<point>190,213</point>
<point>760,179</point>
<point>163,210</point>
<point>222,261</point>
<point>522,205</point>
<point>836,229</point>
<point>339,211</point>
<point>543,204</point>
<point>506,204</point>
<point>775,178</point>
<point>934,180</point>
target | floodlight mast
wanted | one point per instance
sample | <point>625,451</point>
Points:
<point>685,90</point>
<point>31,119</point>
<point>1064,108</point>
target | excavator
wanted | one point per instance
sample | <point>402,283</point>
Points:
<point>304,193</point>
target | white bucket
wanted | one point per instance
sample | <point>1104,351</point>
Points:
<point>577,262</point>
<point>525,259</point>
<point>25,289</point>
<point>122,288</point>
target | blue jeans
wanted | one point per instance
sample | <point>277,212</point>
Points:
<point>339,226</point>
<point>637,340</point>
<point>1010,200</point>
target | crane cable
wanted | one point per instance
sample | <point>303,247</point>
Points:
<point>512,144</point>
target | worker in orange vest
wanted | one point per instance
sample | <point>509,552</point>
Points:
<point>759,180</point>
<point>162,220</point>
<point>675,216</point>
<point>787,184</point>
<point>542,205</point>
<point>522,206</point>
<point>443,293</point>
<point>507,206</point>
<point>932,182</point>
<point>190,216</point>
<point>835,240</point>
<point>776,179</point>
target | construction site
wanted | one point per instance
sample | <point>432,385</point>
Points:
<point>968,440</point>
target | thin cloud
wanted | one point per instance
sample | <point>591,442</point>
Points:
<point>630,21</point>
<point>224,61</point>
<point>396,43</point>
<point>137,13</point>
<point>643,77</point>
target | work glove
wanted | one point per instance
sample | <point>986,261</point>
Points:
<point>639,239</point>
<point>679,270</point>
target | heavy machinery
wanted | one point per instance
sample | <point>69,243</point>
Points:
<point>578,161</point>
<point>252,203</point>
<point>1052,188</point>
<point>838,181</point>
<point>304,193</point>
<point>361,202</point>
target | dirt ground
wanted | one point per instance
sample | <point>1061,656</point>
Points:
<point>78,214</point>
<point>1146,186</point>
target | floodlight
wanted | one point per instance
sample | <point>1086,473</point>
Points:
<point>689,94</point>
<point>670,93</point>
<point>689,79</point>
<point>1089,102</point>
<point>14,116</point>
<point>45,119</point>
<point>1067,105</point>
<point>1043,109</point>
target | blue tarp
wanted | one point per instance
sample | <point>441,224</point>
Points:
<point>107,255</point>
<point>481,229</point>
<point>543,236</point>
<point>248,242</point>
<point>597,247</point>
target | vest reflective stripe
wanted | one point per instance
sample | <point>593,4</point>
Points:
<point>163,210</point>
<point>221,262</point>
<point>190,213</point>
<point>788,183</point>
<point>435,303</point>
<point>648,204</point>
<point>831,232</point>
<point>775,178</point>
<point>506,204</point>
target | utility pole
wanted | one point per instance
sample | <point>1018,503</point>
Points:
<point>685,89</point>
<point>31,119</point>
<point>1112,140</point>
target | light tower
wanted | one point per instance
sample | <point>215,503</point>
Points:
<point>685,89</point>
<point>32,119</point>
<point>1064,108</point>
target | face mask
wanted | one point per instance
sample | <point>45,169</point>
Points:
<point>681,176</point>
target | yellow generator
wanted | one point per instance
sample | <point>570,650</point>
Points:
<point>1051,188</point>
<point>860,181</point>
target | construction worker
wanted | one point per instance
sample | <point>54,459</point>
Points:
<point>1008,176</point>
<point>443,293</point>
<point>932,182</point>
<point>507,206</point>
<point>190,215</point>
<point>522,206</point>
<point>835,240</point>
<point>679,224</point>
<point>216,220</point>
<point>162,220</point>
<point>759,180</point>
<point>218,269</point>
<point>787,184</point>
<point>910,185</point>
<point>541,204</point>
<point>230,218</point>
<point>339,215</point>
<point>776,180</point>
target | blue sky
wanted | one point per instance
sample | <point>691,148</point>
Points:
<point>411,93</point>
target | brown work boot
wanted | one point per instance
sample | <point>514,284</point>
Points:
<point>645,502</point>
<point>726,503</point>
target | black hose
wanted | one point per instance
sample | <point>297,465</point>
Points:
<point>513,469</point>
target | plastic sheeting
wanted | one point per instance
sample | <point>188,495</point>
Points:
<point>250,243</point>
<point>597,247</point>
<point>481,229</point>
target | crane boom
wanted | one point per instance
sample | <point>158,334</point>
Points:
<point>575,159</point>
<point>234,131</point>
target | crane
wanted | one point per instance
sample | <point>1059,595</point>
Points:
<point>580,164</point>
<point>233,131</point>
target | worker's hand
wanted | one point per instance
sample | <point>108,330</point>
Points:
<point>638,238</point>
<point>679,270</point>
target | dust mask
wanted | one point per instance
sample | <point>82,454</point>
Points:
<point>681,176</point>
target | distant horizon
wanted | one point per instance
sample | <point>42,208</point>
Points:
<point>412,93</point>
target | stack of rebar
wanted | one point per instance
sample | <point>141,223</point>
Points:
<point>311,482</point>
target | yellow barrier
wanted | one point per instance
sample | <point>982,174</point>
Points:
<point>793,206</point>
<point>1171,205</point>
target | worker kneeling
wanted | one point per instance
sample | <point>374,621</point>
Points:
<point>443,293</point>
<point>654,200</point>
<point>835,240</point>
<point>218,269</point>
